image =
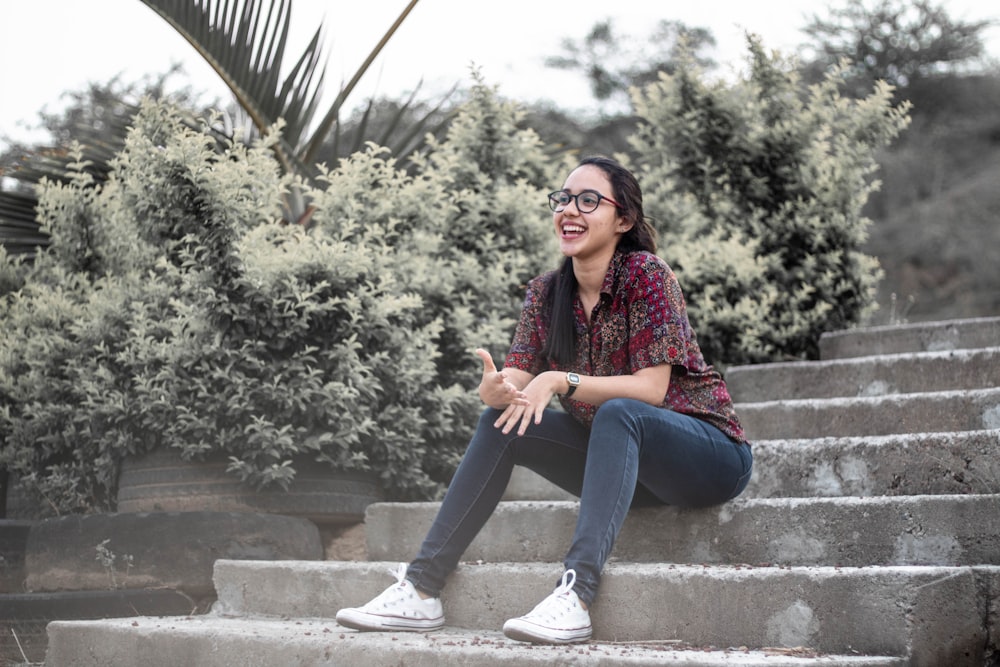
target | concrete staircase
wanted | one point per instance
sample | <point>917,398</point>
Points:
<point>869,535</point>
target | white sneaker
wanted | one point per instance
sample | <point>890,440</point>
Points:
<point>398,607</point>
<point>558,619</point>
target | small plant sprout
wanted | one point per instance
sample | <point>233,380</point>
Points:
<point>108,559</point>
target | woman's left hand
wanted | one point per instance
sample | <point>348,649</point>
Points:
<point>537,395</point>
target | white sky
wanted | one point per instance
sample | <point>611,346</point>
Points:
<point>48,47</point>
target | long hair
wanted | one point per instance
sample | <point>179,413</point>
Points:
<point>560,345</point>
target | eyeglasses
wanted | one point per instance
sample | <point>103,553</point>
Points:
<point>586,202</point>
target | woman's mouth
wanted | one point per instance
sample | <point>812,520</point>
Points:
<point>571,231</point>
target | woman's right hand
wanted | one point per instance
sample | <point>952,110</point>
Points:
<point>496,389</point>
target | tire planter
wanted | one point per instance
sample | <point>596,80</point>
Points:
<point>13,540</point>
<point>19,503</point>
<point>170,550</point>
<point>160,481</point>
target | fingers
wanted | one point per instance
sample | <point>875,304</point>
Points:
<point>509,418</point>
<point>504,419</point>
<point>525,421</point>
<point>497,389</point>
<point>517,415</point>
<point>488,365</point>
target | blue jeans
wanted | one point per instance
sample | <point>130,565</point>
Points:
<point>634,455</point>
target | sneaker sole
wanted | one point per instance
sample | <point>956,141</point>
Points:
<point>375,623</point>
<point>537,635</point>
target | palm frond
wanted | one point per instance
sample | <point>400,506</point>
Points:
<point>245,42</point>
<point>20,234</point>
<point>334,112</point>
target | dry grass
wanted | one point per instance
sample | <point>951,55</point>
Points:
<point>24,644</point>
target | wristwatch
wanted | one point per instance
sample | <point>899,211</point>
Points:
<point>574,381</point>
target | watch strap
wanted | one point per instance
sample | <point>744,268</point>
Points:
<point>572,385</point>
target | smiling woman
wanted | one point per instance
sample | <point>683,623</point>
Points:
<point>585,228</point>
<point>644,419</point>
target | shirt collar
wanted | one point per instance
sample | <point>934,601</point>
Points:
<point>614,269</point>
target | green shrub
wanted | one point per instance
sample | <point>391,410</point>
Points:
<point>467,227</point>
<point>777,176</point>
<point>63,388</point>
<point>174,310</point>
<point>321,355</point>
<point>11,272</point>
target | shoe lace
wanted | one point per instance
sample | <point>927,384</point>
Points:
<point>559,603</point>
<point>392,594</point>
<point>399,572</point>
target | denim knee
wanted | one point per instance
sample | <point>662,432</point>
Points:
<point>614,408</point>
<point>487,417</point>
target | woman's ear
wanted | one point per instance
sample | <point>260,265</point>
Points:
<point>625,223</point>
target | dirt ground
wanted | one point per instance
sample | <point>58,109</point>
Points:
<point>344,542</point>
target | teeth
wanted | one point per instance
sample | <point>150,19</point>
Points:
<point>573,229</point>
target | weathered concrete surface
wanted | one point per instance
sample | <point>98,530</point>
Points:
<point>909,464</point>
<point>875,611</point>
<point>988,579</point>
<point>916,337</point>
<point>168,549</point>
<point>932,412</point>
<point>528,485</point>
<point>866,376</point>
<point>909,530</point>
<point>891,465</point>
<point>24,616</point>
<point>225,642</point>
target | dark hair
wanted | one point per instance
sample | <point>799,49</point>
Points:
<point>560,344</point>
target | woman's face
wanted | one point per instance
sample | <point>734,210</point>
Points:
<point>593,234</point>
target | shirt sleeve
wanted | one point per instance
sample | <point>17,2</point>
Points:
<point>526,348</point>
<point>657,316</point>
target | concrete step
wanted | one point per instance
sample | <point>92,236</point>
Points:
<point>866,376</point>
<point>214,641</point>
<point>916,337</point>
<point>905,530</point>
<point>935,615</point>
<point>24,616</point>
<point>893,465</point>
<point>878,465</point>
<point>930,412</point>
<point>527,485</point>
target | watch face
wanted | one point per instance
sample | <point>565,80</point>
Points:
<point>573,378</point>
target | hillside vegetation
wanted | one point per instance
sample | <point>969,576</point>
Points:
<point>936,221</point>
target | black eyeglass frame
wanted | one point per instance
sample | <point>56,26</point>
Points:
<point>556,205</point>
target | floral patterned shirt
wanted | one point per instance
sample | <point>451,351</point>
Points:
<point>639,321</point>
